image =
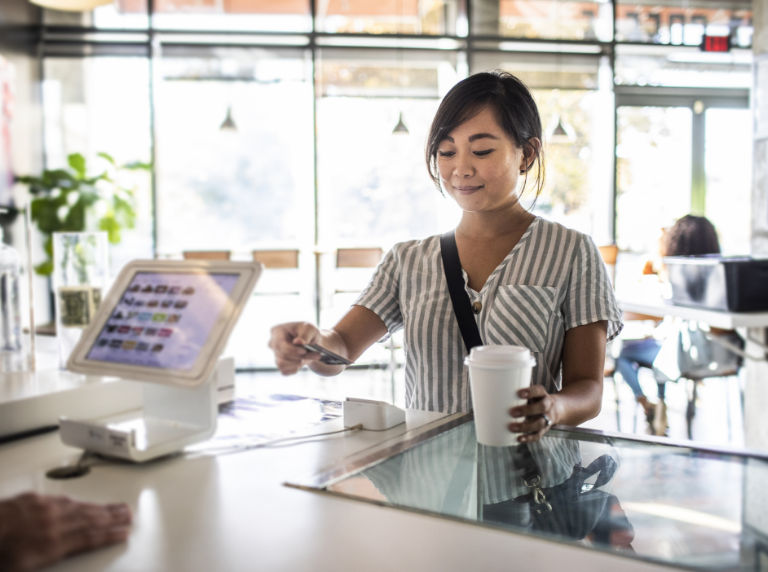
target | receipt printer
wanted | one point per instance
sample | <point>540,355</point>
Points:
<point>371,414</point>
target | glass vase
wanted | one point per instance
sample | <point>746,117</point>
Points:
<point>80,270</point>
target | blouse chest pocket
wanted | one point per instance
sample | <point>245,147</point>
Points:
<point>521,315</point>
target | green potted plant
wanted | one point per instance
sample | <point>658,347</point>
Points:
<point>74,200</point>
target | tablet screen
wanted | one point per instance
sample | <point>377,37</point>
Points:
<point>163,319</point>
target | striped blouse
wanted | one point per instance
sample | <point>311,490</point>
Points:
<point>551,281</point>
<point>451,472</point>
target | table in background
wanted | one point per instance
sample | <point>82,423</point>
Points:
<point>715,318</point>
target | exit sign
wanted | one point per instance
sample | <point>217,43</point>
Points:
<point>715,43</point>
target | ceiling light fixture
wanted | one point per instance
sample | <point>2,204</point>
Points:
<point>562,132</point>
<point>228,124</point>
<point>401,127</point>
<point>71,5</point>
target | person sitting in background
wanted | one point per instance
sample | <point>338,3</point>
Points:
<point>38,530</point>
<point>690,235</point>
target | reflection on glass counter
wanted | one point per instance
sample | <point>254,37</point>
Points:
<point>643,498</point>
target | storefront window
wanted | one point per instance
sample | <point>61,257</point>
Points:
<point>728,173</point>
<point>276,127</point>
<point>543,19</point>
<point>653,154</point>
<point>372,182</point>
<point>101,105</point>
<point>428,17</point>
<point>684,22</point>
<point>682,67</point>
<point>234,135</point>
<point>232,15</point>
<point>119,15</point>
<point>576,115</point>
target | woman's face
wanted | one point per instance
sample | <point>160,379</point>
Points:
<point>479,164</point>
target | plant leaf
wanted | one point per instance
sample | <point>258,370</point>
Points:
<point>45,268</point>
<point>138,166</point>
<point>112,227</point>
<point>107,157</point>
<point>77,162</point>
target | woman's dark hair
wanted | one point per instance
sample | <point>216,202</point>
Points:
<point>691,235</point>
<point>515,111</point>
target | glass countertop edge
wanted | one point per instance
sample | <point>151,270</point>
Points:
<point>323,481</point>
<point>397,444</point>
<point>375,454</point>
<point>610,437</point>
<point>491,525</point>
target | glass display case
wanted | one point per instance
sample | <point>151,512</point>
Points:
<point>644,498</point>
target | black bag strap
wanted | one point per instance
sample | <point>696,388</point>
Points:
<point>605,466</point>
<point>461,304</point>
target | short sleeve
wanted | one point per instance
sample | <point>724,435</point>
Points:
<point>591,297</point>
<point>381,295</point>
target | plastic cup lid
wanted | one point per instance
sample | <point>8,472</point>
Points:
<point>499,355</point>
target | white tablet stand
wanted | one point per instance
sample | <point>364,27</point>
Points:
<point>180,404</point>
<point>172,417</point>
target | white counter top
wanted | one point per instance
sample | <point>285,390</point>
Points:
<point>716,318</point>
<point>232,512</point>
<point>34,399</point>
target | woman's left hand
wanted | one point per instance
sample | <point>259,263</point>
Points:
<point>534,418</point>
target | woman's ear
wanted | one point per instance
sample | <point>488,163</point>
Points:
<point>531,151</point>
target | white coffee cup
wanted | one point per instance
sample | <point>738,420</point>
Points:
<point>496,373</point>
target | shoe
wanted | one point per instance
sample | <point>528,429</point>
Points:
<point>649,408</point>
<point>660,425</point>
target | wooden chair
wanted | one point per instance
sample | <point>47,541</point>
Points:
<point>350,260</point>
<point>610,255</point>
<point>358,257</point>
<point>207,254</point>
<point>277,258</point>
<point>279,264</point>
<point>353,268</point>
<point>282,294</point>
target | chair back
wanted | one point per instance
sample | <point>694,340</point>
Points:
<point>207,254</point>
<point>277,258</point>
<point>610,253</point>
<point>360,257</point>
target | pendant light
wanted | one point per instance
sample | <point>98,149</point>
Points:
<point>71,5</point>
<point>561,132</point>
<point>400,127</point>
<point>228,124</point>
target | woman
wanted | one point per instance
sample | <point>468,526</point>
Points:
<point>531,282</point>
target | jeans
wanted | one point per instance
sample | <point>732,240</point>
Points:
<point>635,354</point>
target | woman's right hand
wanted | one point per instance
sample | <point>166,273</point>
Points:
<point>286,342</point>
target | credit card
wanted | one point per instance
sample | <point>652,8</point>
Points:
<point>326,355</point>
